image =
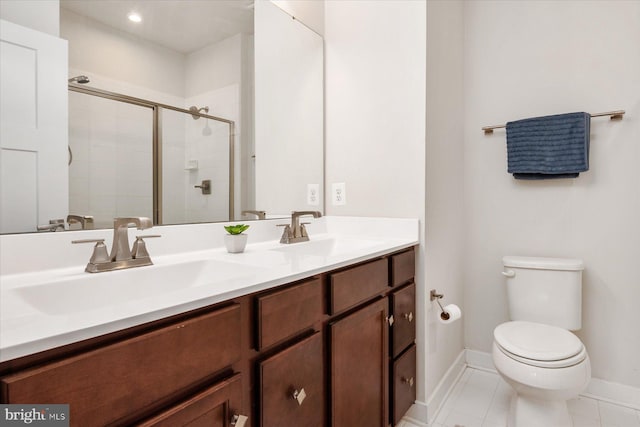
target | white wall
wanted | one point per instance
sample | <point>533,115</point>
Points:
<point>309,12</point>
<point>109,52</point>
<point>375,117</point>
<point>288,111</point>
<point>21,12</point>
<point>445,231</point>
<point>532,58</point>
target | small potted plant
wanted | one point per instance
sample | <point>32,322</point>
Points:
<point>235,241</point>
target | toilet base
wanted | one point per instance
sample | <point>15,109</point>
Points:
<point>530,412</point>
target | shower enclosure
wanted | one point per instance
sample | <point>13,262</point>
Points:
<point>134,157</point>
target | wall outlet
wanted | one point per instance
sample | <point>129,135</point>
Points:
<point>339,193</point>
<point>313,194</point>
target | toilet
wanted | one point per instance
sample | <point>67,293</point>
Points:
<point>535,352</point>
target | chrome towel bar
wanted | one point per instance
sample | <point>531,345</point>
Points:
<point>615,115</point>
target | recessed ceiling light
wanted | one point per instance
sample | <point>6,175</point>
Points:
<point>134,17</point>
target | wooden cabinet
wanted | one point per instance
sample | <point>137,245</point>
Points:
<point>109,384</point>
<point>292,386</point>
<point>354,285</point>
<point>283,313</point>
<point>359,367</point>
<point>404,384</point>
<point>403,267</point>
<point>403,351</point>
<point>216,406</point>
<point>316,353</point>
<point>403,331</point>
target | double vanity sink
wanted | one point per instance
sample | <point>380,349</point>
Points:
<point>44,307</point>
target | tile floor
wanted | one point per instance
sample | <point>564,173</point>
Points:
<point>481,399</point>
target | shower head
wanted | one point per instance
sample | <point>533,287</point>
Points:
<point>195,111</point>
<point>79,79</point>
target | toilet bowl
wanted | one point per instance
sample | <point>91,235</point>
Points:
<point>546,366</point>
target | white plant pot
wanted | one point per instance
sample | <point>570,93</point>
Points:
<point>235,243</point>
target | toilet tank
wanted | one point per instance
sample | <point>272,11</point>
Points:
<point>545,290</point>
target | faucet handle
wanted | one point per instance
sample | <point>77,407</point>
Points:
<point>100,254</point>
<point>286,233</point>
<point>139,249</point>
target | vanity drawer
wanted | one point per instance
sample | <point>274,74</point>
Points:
<point>283,313</point>
<point>357,284</point>
<point>404,386</point>
<point>297,368</point>
<point>403,331</point>
<point>109,383</point>
<point>212,407</point>
<point>403,267</point>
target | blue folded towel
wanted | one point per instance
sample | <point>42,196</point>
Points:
<point>549,147</point>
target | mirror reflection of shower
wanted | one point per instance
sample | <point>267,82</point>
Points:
<point>206,131</point>
<point>79,79</point>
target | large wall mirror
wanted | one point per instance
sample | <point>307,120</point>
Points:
<point>199,112</point>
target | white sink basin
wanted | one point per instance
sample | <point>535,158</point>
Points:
<point>85,292</point>
<point>329,247</point>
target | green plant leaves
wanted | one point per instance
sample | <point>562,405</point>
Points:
<point>236,229</point>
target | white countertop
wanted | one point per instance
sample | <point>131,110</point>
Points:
<point>39,312</point>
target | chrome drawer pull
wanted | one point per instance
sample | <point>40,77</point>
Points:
<point>299,395</point>
<point>409,316</point>
<point>408,381</point>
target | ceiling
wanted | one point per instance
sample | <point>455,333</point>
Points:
<point>181,25</point>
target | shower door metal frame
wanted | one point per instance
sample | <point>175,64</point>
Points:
<point>156,108</point>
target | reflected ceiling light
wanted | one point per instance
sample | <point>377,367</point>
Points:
<point>134,17</point>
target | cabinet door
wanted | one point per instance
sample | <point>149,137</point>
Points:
<point>292,386</point>
<point>359,367</point>
<point>404,388</point>
<point>213,407</point>
<point>403,331</point>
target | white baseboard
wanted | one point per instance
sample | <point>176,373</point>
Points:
<point>445,386</point>
<point>619,394</point>
<point>417,414</point>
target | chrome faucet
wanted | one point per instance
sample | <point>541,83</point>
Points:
<point>120,250</point>
<point>296,232</point>
<point>121,255</point>
<point>54,225</point>
<point>86,221</point>
<point>259,214</point>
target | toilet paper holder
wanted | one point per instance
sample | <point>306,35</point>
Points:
<point>437,297</point>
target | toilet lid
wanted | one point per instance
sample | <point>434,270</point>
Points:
<point>536,341</point>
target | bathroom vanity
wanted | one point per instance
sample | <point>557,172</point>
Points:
<point>327,346</point>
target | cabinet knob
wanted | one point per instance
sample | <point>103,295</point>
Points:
<point>239,420</point>
<point>390,320</point>
<point>409,316</point>
<point>408,381</point>
<point>299,396</point>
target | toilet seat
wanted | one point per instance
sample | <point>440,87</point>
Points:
<point>539,345</point>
